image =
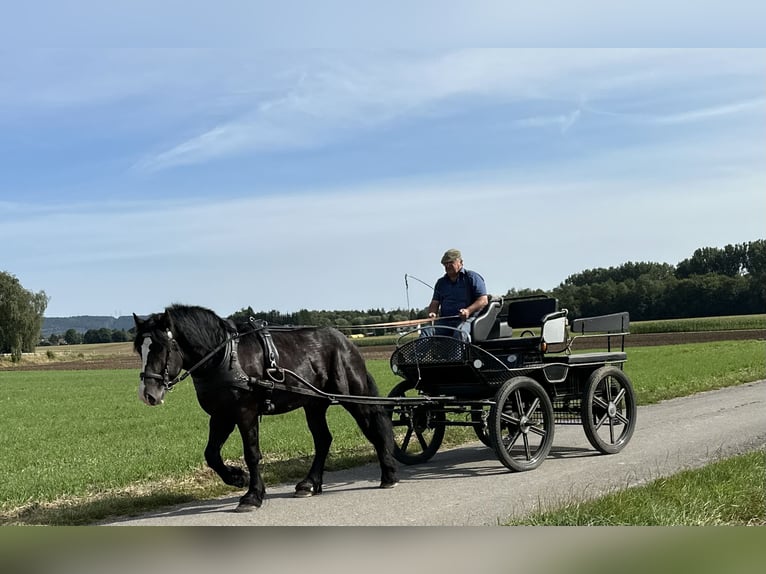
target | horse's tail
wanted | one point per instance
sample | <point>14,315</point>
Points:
<point>371,385</point>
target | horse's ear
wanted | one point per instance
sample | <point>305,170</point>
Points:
<point>167,320</point>
<point>137,321</point>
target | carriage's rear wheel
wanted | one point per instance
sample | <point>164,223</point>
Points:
<point>418,428</point>
<point>521,424</point>
<point>609,409</point>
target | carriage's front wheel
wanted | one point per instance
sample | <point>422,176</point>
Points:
<point>609,409</point>
<point>418,428</point>
<point>521,424</point>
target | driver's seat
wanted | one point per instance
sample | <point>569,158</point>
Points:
<point>482,325</point>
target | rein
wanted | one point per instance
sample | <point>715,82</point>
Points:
<point>276,375</point>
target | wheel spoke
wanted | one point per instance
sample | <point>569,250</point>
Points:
<point>598,423</point>
<point>510,419</point>
<point>533,407</point>
<point>406,439</point>
<point>539,431</point>
<point>600,402</point>
<point>526,448</point>
<point>621,418</point>
<point>519,402</point>
<point>512,439</point>
<point>422,440</point>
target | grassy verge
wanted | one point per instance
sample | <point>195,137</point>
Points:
<point>661,373</point>
<point>728,492</point>
<point>730,323</point>
<point>79,445</point>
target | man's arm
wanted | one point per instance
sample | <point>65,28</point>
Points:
<point>477,305</point>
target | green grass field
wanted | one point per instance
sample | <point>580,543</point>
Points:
<point>79,445</point>
<point>727,492</point>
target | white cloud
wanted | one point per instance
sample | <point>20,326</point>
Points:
<point>332,98</point>
<point>728,109</point>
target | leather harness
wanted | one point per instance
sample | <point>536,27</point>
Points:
<point>229,372</point>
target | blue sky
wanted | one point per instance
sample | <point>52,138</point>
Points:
<point>139,169</point>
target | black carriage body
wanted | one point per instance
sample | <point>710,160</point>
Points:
<point>523,342</point>
<point>447,366</point>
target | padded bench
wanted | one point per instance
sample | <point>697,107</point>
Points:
<point>586,358</point>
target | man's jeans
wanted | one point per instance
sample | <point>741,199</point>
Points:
<point>460,330</point>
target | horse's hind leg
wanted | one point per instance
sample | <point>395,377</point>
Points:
<point>219,430</point>
<point>249,430</point>
<point>376,426</point>
<point>316,417</point>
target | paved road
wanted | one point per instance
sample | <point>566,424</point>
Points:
<point>468,486</point>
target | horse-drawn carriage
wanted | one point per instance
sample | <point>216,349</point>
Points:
<point>510,389</point>
<point>513,388</point>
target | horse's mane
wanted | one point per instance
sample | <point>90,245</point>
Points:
<point>201,328</point>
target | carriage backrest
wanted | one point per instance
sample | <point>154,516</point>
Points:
<point>526,313</point>
<point>485,321</point>
<point>616,323</point>
<point>604,326</point>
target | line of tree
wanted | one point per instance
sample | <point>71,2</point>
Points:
<point>712,282</point>
<point>342,319</point>
<point>74,337</point>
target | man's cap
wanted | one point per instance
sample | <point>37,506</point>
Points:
<point>451,255</point>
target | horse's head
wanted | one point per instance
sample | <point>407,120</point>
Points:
<point>161,356</point>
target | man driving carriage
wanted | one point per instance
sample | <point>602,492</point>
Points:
<point>459,296</point>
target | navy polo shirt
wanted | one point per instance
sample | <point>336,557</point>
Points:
<point>452,297</point>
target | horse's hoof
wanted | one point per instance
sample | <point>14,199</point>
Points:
<point>389,484</point>
<point>245,508</point>
<point>306,491</point>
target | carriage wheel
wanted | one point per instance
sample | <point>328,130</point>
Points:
<point>480,420</point>
<point>418,429</point>
<point>521,424</point>
<point>609,409</point>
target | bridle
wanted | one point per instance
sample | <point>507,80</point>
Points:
<point>164,378</point>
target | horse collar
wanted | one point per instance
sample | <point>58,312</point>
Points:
<point>228,371</point>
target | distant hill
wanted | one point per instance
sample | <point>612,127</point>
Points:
<point>83,323</point>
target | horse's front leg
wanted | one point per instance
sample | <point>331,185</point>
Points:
<point>249,430</point>
<point>220,429</point>
<point>316,417</point>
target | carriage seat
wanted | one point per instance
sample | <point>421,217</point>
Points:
<point>482,326</point>
<point>500,318</point>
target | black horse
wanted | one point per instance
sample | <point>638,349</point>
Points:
<point>243,371</point>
